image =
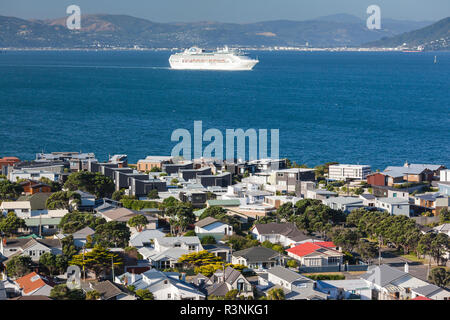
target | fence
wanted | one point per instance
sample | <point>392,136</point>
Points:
<point>335,268</point>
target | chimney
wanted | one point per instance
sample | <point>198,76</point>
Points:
<point>406,267</point>
<point>183,276</point>
<point>133,277</point>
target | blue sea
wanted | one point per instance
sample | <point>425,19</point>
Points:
<point>352,107</point>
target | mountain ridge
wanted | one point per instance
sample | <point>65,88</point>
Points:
<point>106,30</point>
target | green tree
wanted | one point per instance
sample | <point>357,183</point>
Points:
<point>117,195</point>
<point>55,186</point>
<point>62,292</point>
<point>367,250</point>
<point>10,224</point>
<point>232,294</point>
<point>444,216</point>
<point>63,200</point>
<point>144,294</point>
<point>292,263</point>
<point>112,234</point>
<point>276,294</point>
<point>74,221</point>
<point>94,183</point>
<point>208,240</point>
<point>201,258</point>
<point>153,194</point>
<point>138,222</point>
<point>68,247</point>
<point>99,260</point>
<point>48,262</point>
<point>19,266</point>
<point>239,242</point>
<point>344,238</point>
<point>93,295</point>
<point>440,277</point>
<point>9,190</point>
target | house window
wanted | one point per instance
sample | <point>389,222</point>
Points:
<point>192,247</point>
<point>169,296</point>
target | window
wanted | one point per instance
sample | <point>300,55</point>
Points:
<point>192,247</point>
<point>169,296</point>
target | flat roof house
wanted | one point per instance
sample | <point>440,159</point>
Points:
<point>346,204</point>
<point>348,171</point>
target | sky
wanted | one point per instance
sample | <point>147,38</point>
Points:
<point>239,11</point>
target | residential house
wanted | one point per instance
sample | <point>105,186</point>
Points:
<point>80,237</point>
<point>394,206</point>
<point>151,162</point>
<point>33,174</point>
<point>119,215</point>
<point>348,171</point>
<point>432,201</point>
<point>316,254</point>
<point>34,284</point>
<point>258,258</point>
<point>319,194</point>
<point>87,201</point>
<point>223,281</point>
<point>163,285</point>
<point>212,227</point>
<point>368,199</point>
<point>349,289</point>
<point>196,198</point>
<point>444,175</point>
<point>444,188</point>
<point>27,206</point>
<point>345,204</point>
<point>278,201</point>
<point>389,283</point>
<point>289,180</point>
<point>294,285</point>
<point>34,248</point>
<point>167,250</point>
<point>432,292</point>
<point>145,238</point>
<point>286,234</point>
<point>109,291</point>
<point>32,187</point>
<point>219,250</point>
<point>443,228</point>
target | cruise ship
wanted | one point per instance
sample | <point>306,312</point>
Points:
<point>222,59</point>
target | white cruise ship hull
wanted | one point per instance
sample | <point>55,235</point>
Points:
<point>211,62</point>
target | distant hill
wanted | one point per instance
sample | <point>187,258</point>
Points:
<point>103,30</point>
<point>433,37</point>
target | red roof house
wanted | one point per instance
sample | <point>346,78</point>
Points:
<point>316,254</point>
<point>34,284</point>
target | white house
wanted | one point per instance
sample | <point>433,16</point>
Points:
<point>167,250</point>
<point>389,283</point>
<point>212,227</point>
<point>394,206</point>
<point>145,238</point>
<point>30,247</point>
<point>346,289</point>
<point>30,174</point>
<point>286,234</point>
<point>163,285</point>
<point>350,171</point>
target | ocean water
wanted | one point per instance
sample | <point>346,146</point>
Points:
<point>352,107</point>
